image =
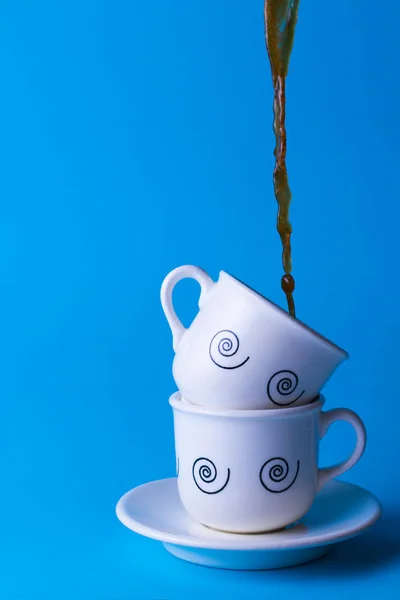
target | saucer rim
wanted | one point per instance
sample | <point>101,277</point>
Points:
<point>255,542</point>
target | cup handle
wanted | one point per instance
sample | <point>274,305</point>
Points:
<point>184,272</point>
<point>327,419</point>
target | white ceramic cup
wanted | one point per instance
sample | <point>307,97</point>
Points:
<point>242,351</point>
<point>253,471</point>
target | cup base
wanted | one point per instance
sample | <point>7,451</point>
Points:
<point>258,532</point>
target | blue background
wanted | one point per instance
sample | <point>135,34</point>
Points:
<point>135,137</point>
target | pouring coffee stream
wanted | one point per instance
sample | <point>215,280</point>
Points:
<point>280,22</point>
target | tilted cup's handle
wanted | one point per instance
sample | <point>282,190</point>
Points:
<point>342,414</point>
<point>184,272</point>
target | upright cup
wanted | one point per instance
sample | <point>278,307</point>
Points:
<point>252,471</point>
<point>242,351</point>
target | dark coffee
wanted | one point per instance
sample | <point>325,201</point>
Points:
<point>280,22</point>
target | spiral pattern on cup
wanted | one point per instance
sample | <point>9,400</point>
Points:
<point>223,346</point>
<point>275,474</point>
<point>205,474</point>
<point>282,388</point>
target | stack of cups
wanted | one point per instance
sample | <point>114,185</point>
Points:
<point>248,416</point>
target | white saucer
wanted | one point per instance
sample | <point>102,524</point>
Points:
<point>340,511</point>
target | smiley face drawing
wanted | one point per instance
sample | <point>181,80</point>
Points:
<point>283,386</point>
<point>276,475</point>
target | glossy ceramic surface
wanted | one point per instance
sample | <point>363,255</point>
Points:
<point>254,471</point>
<point>243,351</point>
<point>340,511</point>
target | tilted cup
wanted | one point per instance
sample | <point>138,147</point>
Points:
<point>254,471</point>
<point>242,351</point>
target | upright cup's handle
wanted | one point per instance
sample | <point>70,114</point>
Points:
<point>184,272</point>
<point>342,414</point>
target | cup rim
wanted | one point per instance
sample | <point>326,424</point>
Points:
<point>296,323</point>
<point>175,401</point>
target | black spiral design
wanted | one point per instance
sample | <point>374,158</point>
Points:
<point>205,472</point>
<point>224,345</point>
<point>282,387</point>
<point>275,472</point>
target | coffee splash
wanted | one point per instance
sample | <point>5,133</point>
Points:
<point>280,22</point>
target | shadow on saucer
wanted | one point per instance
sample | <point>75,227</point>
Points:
<point>372,550</point>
